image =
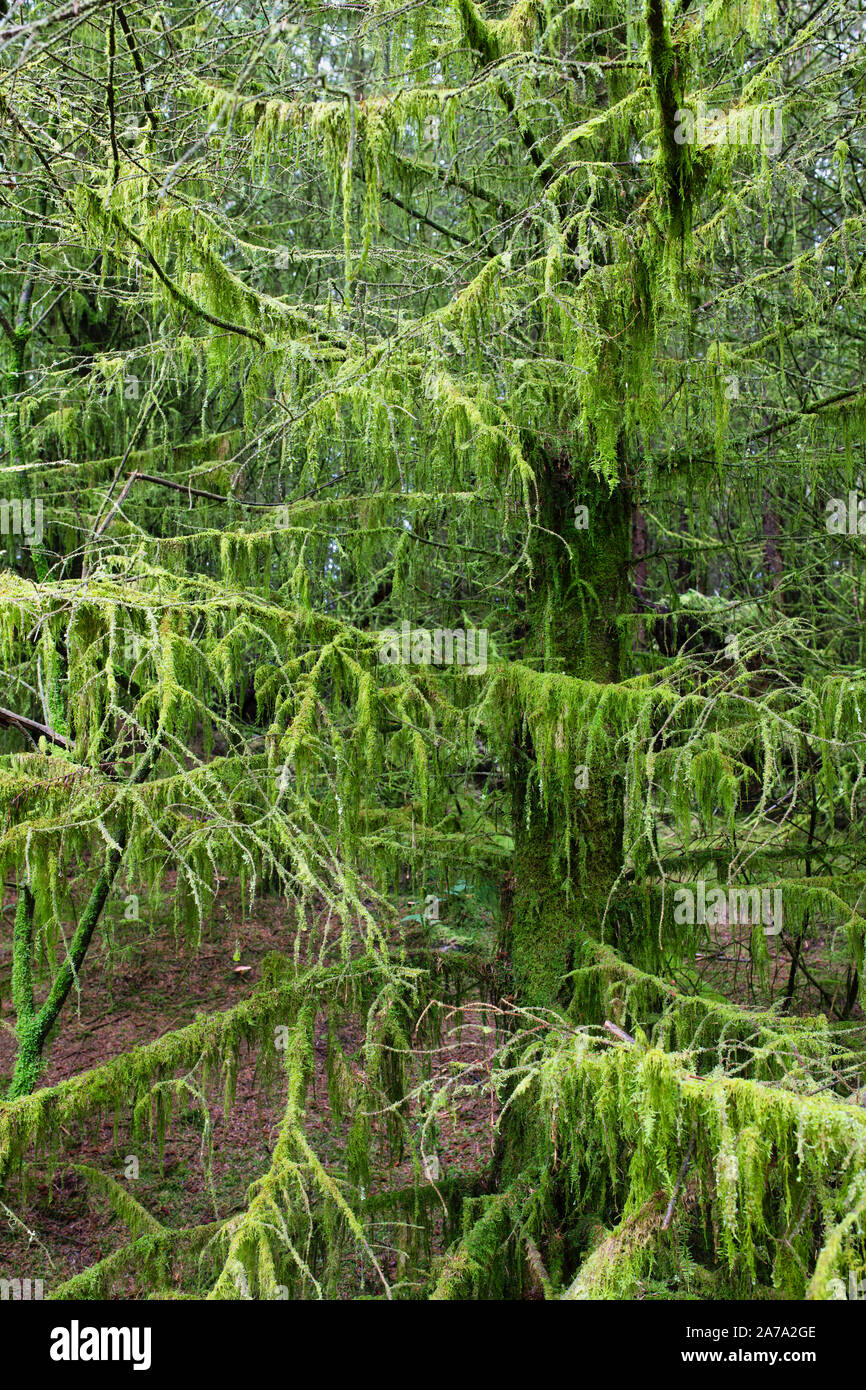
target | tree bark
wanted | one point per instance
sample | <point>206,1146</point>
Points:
<point>549,907</point>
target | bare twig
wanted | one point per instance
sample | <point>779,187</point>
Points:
<point>618,1032</point>
<point>680,1180</point>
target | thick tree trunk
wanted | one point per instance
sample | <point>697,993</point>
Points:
<point>548,911</point>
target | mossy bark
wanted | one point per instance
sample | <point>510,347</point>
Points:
<point>33,1026</point>
<point>580,585</point>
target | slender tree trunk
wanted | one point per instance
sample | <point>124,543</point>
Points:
<point>772,531</point>
<point>33,1025</point>
<point>639,548</point>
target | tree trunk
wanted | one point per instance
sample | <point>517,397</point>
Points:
<point>551,907</point>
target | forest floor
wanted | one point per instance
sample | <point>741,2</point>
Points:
<point>143,981</point>
<point>136,993</point>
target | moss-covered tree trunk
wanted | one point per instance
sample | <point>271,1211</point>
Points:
<point>579,586</point>
<point>34,1024</point>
